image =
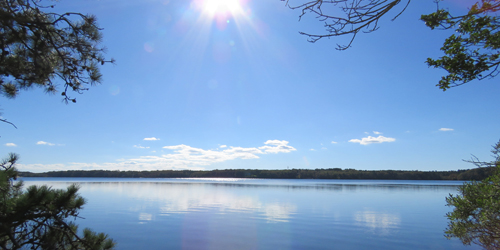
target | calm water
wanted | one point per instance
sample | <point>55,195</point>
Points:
<point>265,214</point>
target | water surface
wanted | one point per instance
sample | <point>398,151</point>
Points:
<point>265,214</point>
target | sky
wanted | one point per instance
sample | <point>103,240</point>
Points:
<point>208,84</point>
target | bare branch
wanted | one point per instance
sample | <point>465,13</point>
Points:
<point>355,16</point>
<point>5,120</point>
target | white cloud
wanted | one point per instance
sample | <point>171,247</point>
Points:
<point>184,154</point>
<point>277,146</point>
<point>312,149</point>
<point>10,144</point>
<point>182,157</point>
<point>222,146</point>
<point>151,139</point>
<point>446,129</point>
<point>139,146</point>
<point>43,167</point>
<point>45,143</point>
<point>275,142</point>
<point>371,139</point>
<point>377,133</point>
<point>334,142</point>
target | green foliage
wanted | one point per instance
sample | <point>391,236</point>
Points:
<point>37,218</point>
<point>473,52</point>
<point>476,215</point>
<point>38,47</point>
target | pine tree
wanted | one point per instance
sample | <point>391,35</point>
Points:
<point>38,217</point>
<point>476,209</point>
<point>39,48</point>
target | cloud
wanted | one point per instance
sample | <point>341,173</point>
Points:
<point>182,157</point>
<point>377,133</point>
<point>277,146</point>
<point>185,155</point>
<point>188,155</point>
<point>10,144</point>
<point>334,142</point>
<point>371,139</point>
<point>139,146</point>
<point>446,129</point>
<point>151,139</point>
<point>45,143</point>
<point>222,146</point>
<point>312,149</point>
<point>275,142</point>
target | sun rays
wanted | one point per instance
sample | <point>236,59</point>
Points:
<point>221,11</point>
<point>214,8</point>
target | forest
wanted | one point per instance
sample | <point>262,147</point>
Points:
<point>330,173</point>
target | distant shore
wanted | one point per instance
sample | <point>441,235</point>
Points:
<point>330,173</point>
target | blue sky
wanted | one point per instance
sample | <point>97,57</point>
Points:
<point>195,90</point>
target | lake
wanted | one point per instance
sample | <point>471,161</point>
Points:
<point>265,214</point>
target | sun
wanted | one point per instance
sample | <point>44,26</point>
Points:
<point>221,7</point>
<point>222,13</point>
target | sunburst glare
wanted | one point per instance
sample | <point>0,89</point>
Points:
<point>221,27</point>
<point>214,7</point>
<point>217,8</point>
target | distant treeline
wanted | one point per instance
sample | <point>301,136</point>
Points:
<point>330,173</point>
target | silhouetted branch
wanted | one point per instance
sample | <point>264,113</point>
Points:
<point>356,16</point>
<point>4,120</point>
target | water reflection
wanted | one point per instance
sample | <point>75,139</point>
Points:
<point>331,185</point>
<point>184,200</point>
<point>265,214</point>
<point>278,212</point>
<point>231,195</point>
<point>378,223</point>
<point>175,198</point>
<point>143,217</point>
